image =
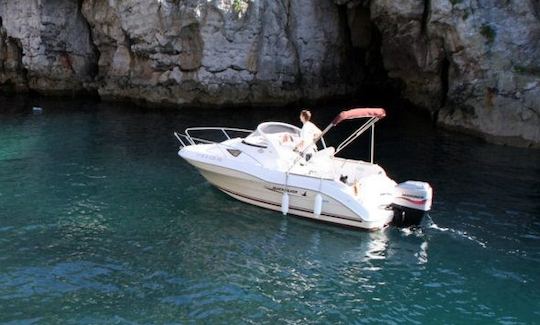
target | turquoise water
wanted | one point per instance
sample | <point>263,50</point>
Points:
<point>101,222</point>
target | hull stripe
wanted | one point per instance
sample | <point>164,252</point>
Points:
<point>419,201</point>
<point>290,207</point>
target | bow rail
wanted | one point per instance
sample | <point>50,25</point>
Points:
<point>213,135</point>
<point>219,134</point>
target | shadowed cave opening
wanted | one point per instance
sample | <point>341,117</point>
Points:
<point>445,69</point>
<point>364,65</point>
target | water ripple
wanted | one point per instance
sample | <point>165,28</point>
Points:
<point>112,227</point>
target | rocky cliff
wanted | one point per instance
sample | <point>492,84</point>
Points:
<point>45,46</point>
<point>475,64</point>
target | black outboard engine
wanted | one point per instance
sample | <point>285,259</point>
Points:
<point>412,202</point>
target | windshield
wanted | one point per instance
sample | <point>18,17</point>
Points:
<point>273,128</point>
<point>270,131</point>
<point>256,139</point>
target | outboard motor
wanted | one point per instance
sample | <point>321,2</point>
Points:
<point>412,202</point>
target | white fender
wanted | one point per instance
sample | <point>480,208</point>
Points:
<point>285,203</point>
<point>317,205</point>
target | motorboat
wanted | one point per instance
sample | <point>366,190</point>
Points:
<point>263,168</point>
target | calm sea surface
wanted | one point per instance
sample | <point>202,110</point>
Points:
<point>102,222</point>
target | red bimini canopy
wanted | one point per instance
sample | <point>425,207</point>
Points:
<point>359,113</point>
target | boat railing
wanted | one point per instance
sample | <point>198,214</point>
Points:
<point>220,134</point>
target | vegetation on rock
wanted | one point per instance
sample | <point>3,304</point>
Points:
<point>488,32</point>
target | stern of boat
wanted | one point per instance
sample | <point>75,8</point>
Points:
<point>412,202</point>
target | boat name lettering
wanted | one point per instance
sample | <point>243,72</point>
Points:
<point>281,189</point>
<point>413,196</point>
<point>210,157</point>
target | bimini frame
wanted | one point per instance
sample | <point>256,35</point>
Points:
<point>374,115</point>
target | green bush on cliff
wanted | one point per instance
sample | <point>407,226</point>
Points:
<point>240,7</point>
<point>488,32</point>
<point>527,70</point>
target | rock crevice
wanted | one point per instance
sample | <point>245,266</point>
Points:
<point>13,75</point>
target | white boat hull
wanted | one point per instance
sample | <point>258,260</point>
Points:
<point>253,190</point>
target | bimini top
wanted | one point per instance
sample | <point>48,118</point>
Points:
<point>359,113</point>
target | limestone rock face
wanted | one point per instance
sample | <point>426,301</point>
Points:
<point>216,52</point>
<point>474,63</point>
<point>45,46</point>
